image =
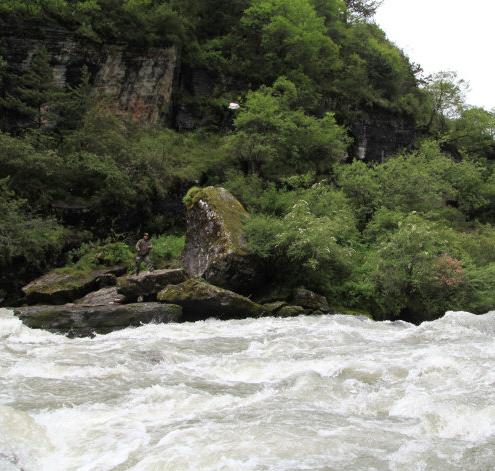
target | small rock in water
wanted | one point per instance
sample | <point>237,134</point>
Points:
<point>290,311</point>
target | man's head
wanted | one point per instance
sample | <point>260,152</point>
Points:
<point>146,236</point>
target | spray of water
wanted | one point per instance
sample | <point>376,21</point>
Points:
<point>307,393</point>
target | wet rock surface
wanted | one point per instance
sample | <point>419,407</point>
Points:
<point>148,284</point>
<point>60,287</point>
<point>215,245</point>
<point>80,321</point>
<point>200,300</point>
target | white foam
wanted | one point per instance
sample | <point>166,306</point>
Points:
<point>306,393</point>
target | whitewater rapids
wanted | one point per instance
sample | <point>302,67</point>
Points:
<point>305,393</point>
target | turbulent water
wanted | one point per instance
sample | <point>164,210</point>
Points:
<point>306,393</point>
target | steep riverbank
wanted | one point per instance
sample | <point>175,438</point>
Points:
<point>315,393</point>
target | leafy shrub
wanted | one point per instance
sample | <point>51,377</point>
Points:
<point>167,250</point>
<point>417,271</point>
<point>93,255</point>
<point>482,293</point>
<point>26,237</point>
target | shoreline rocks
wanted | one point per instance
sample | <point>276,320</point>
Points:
<point>148,284</point>
<point>60,287</point>
<point>200,300</point>
<point>310,300</point>
<point>82,321</point>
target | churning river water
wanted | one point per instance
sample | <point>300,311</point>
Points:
<point>305,393</point>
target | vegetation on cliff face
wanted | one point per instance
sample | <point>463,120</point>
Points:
<point>408,237</point>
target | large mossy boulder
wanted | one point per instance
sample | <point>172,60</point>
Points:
<point>215,245</point>
<point>148,284</point>
<point>66,285</point>
<point>79,321</point>
<point>201,300</point>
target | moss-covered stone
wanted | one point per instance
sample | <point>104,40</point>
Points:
<point>272,308</point>
<point>64,285</point>
<point>200,300</point>
<point>215,245</point>
<point>290,311</point>
<point>78,320</point>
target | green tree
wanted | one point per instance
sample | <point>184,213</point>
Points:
<point>25,238</point>
<point>272,138</point>
<point>473,133</point>
<point>446,92</point>
<point>31,94</point>
<point>359,10</point>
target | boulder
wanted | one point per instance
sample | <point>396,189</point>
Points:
<point>310,300</point>
<point>200,300</point>
<point>290,311</point>
<point>148,284</point>
<point>80,321</point>
<point>215,246</point>
<point>273,308</point>
<point>65,286</point>
<point>102,297</point>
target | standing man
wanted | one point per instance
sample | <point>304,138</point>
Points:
<point>143,249</point>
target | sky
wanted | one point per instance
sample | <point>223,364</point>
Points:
<point>456,35</point>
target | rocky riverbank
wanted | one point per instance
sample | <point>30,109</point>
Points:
<point>220,279</point>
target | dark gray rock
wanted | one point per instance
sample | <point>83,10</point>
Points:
<point>310,300</point>
<point>102,297</point>
<point>61,286</point>
<point>148,284</point>
<point>200,300</point>
<point>215,246</point>
<point>290,311</point>
<point>78,321</point>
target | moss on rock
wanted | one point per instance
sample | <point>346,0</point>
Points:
<point>215,245</point>
<point>200,300</point>
<point>63,286</point>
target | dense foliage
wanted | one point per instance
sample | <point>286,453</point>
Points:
<point>408,237</point>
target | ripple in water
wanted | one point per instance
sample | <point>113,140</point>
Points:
<point>307,393</point>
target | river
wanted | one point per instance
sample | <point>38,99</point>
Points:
<point>305,393</point>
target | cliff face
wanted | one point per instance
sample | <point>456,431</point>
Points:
<point>380,135</point>
<point>141,83</point>
<point>136,82</point>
